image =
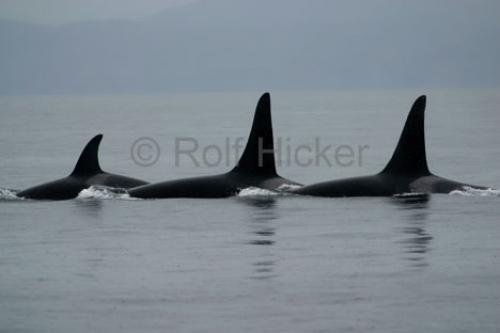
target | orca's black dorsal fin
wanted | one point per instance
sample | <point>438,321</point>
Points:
<point>258,156</point>
<point>409,158</point>
<point>88,163</point>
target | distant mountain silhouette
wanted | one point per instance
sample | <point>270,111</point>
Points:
<point>260,45</point>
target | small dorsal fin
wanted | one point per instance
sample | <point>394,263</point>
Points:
<point>258,156</point>
<point>88,163</point>
<point>409,158</point>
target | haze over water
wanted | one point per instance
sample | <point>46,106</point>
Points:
<point>263,263</point>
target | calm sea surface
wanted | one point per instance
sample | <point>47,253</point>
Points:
<point>255,263</point>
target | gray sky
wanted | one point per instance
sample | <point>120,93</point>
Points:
<point>65,11</point>
<point>214,45</point>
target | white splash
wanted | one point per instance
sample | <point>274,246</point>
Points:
<point>256,192</point>
<point>7,194</point>
<point>288,187</point>
<point>103,193</point>
<point>474,192</point>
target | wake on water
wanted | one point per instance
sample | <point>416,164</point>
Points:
<point>253,192</point>
<point>109,193</point>
<point>288,187</point>
<point>97,192</point>
<point>256,192</point>
<point>7,194</point>
<point>474,192</point>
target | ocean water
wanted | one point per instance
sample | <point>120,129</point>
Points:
<point>259,262</point>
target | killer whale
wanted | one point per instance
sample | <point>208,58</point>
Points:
<point>406,172</point>
<point>87,172</point>
<point>256,167</point>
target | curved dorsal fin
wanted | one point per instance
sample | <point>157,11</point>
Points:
<point>409,157</point>
<point>258,156</point>
<point>88,163</point>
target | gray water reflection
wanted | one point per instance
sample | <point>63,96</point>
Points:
<point>88,208</point>
<point>262,214</point>
<point>417,241</point>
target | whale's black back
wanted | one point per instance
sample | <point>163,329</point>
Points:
<point>256,167</point>
<point>407,171</point>
<point>87,172</point>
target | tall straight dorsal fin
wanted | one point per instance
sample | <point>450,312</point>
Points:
<point>409,158</point>
<point>88,163</point>
<point>258,156</point>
